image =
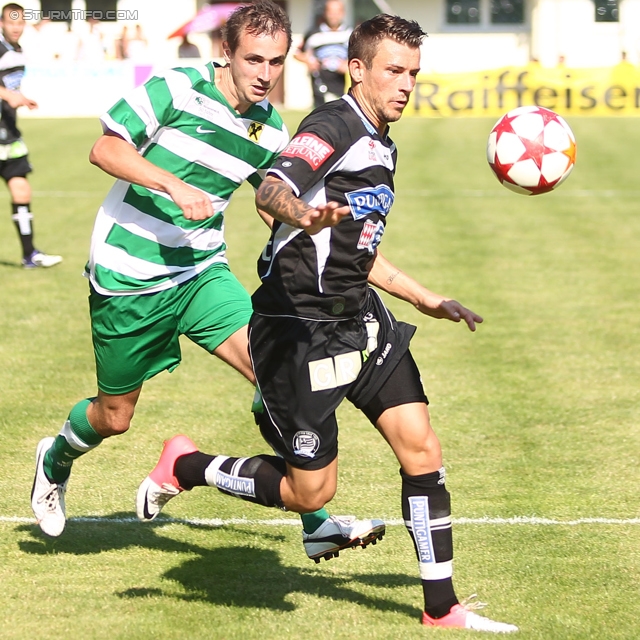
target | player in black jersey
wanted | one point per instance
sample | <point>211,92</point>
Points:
<point>14,163</point>
<point>319,333</point>
<point>324,52</point>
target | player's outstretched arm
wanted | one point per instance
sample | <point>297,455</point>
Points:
<point>118,158</point>
<point>389,278</point>
<point>15,99</point>
<point>276,198</point>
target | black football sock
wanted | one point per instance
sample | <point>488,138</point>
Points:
<point>254,479</point>
<point>426,509</point>
<point>189,469</point>
<point>22,217</point>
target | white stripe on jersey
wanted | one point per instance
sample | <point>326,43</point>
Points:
<point>194,150</point>
<point>358,158</point>
<point>322,240</point>
<point>145,226</point>
<point>281,238</point>
<point>143,109</point>
<point>120,261</point>
<point>220,116</point>
<point>109,124</point>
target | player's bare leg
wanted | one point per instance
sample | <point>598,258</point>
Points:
<point>235,352</point>
<point>89,422</point>
<point>426,509</point>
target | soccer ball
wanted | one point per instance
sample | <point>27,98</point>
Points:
<point>531,150</point>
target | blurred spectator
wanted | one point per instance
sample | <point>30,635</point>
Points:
<point>138,46</point>
<point>67,45</point>
<point>120,44</point>
<point>324,51</point>
<point>40,41</point>
<point>187,49</point>
<point>90,44</point>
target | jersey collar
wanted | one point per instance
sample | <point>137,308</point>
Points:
<point>353,103</point>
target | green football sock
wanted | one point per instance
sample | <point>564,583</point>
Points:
<point>76,438</point>
<point>311,521</point>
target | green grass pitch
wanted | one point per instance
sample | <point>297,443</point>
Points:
<point>538,414</point>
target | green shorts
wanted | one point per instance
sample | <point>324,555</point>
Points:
<point>136,337</point>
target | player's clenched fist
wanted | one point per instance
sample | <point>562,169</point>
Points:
<point>195,204</point>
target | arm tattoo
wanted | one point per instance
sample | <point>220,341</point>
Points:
<point>277,199</point>
<point>392,277</point>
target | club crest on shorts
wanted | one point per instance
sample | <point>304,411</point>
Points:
<point>306,444</point>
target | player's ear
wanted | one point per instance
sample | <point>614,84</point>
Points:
<point>356,69</point>
<point>226,52</point>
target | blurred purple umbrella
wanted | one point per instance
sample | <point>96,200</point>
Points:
<point>209,18</point>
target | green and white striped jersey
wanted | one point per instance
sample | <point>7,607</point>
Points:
<point>179,121</point>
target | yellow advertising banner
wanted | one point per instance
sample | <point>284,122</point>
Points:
<point>601,92</point>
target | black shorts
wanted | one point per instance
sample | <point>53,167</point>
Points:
<point>14,168</point>
<point>305,368</point>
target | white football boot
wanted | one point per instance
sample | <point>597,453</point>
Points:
<point>47,498</point>
<point>341,532</point>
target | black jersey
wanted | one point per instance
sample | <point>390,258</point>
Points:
<point>336,155</point>
<point>11,74</point>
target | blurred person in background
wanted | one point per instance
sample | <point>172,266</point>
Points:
<point>187,49</point>
<point>138,46</point>
<point>324,51</point>
<point>120,45</point>
<point>14,161</point>
<point>91,46</point>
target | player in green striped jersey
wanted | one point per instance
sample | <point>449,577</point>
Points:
<point>179,146</point>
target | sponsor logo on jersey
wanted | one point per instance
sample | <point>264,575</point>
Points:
<point>313,150</point>
<point>306,444</point>
<point>255,131</point>
<point>370,200</point>
<point>330,373</point>
<point>233,484</point>
<point>382,357</point>
<point>420,525</point>
<point>205,108</point>
<point>371,235</point>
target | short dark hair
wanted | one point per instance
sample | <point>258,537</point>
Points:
<point>367,36</point>
<point>12,6</point>
<point>257,18</point>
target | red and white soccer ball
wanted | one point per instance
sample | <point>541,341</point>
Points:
<point>531,150</point>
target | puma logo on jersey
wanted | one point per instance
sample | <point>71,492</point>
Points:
<point>370,200</point>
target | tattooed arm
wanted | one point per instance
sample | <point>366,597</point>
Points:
<point>389,278</point>
<point>276,198</point>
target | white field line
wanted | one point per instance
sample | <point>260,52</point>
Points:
<point>278,522</point>
<point>420,193</point>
